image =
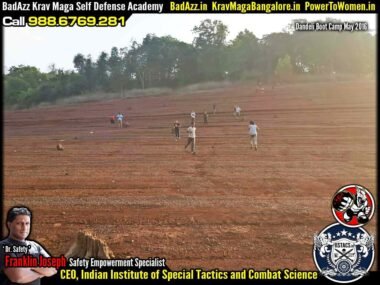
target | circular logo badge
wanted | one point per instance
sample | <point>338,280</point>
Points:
<point>353,206</point>
<point>343,254</point>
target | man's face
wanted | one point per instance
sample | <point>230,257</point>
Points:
<point>20,227</point>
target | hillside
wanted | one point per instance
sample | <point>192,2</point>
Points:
<point>226,207</point>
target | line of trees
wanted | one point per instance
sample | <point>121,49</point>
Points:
<point>168,62</point>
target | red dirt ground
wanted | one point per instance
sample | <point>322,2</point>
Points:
<point>226,207</point>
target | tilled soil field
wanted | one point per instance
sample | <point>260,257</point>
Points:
<point>228,206</point>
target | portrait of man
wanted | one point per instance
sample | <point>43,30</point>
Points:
<point>16,245</point>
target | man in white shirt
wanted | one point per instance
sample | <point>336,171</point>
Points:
<point>119,118</point>
<point>237,111</point>
<point>253,128</point>
<point>191,137</point>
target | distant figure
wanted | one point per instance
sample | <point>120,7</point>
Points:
<point>191,137</point>
<point>237,111</point>
<point>119,118</point>
<point>205,117</point>
<point>214,109</point>
<point>126,123</point>
<point>60,147</point>
<point>253,128</point>
<point>273,84</point>
<point>176,130</point>
<point>193,115</point>
<point>112,119</point>
<point>259,87</point>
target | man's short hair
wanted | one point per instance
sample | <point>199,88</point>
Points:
<point>16,211</point>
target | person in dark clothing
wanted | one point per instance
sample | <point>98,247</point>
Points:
<point>205,117</point>
<point>176,130</point>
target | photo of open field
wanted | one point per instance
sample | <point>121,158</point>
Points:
<point>228,206</point>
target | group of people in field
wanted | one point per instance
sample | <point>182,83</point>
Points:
<point>191,130</point>
<point>119,119</point>
<point>121,122</point>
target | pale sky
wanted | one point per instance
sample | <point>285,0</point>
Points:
<point>41,47</point>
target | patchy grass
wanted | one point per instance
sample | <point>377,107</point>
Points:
<point>199,87</point>
<point>100,96</point>
<point>191,89</point>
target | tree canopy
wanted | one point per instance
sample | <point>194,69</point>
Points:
<point>168,62</point>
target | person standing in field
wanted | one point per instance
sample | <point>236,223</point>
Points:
<point>237,111</point>
<point>176,130</point>
<point>205,117</point>
<point>191,137</point>
<point>112,119</point>
<point>253,128</point>
<point>119,118</point>
<point>259,87</point>
<point>214,109</point>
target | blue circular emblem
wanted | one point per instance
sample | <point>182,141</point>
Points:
<point>343,254</point>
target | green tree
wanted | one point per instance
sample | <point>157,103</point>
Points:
<point>20,84</point>
<point>210,42</point>
<point>275,46</point>
<point>186,66</point>
<point>210,34</point>
<point>89,73</point>
<point>79,63</point>
<point>102,70</point>
<point>284,68</point>
<point>13,88</point>
<point>244,55</point>
<point>136,61</point>
<point>115,64</point>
